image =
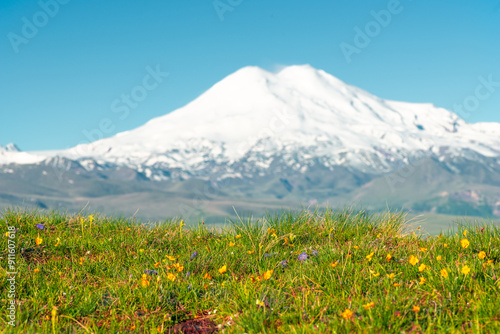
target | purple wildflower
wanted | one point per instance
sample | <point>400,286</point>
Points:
<point>40,226</point>
<point>266,255</point>
<point>315,252</point>
<point>303,257</point>
<point>284,263</point>
<point>193,256</point>
<point>151,272</point>
<point>187,275</point>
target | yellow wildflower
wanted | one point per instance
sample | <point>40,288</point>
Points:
<point>464,243</point>
<point>36,270</point>
<point>347,314</point>
<point>413,260</point>
<point>231,244</point>
<point>81,261</point>
<point>423,249</point>
<point>422,280</point>
<point>487,263</point>
<point>356,247</point>
<point>422,267</point>
<point>334,264</point>
<point>415,309</point>
<point>267,274</point>
<point>141,250</point>
<point>255,279</point>
<point>38,240</point>
<point>397,284</point>
<point>388,257</point>
<point>445,245</point>
<point>238,236</point>
<point>444,273</point>
<point>439,258</point>
<point>369,305</point>
<point>465,233</point>
<point>171,258</point>
<point>465,270</point>
<point>369,256</point>
<point>250,252</point>
<point>223,269</point>
<point>144,281</point>
<point>391,275</point>
<point>481,255</point>
<point>260,303</point>
<point>171,276</point>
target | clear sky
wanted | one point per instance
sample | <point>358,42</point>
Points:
<point>65,64</point>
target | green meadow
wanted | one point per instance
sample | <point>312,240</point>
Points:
<point>335,271</point>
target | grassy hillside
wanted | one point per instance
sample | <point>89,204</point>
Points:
<point>336,271</point>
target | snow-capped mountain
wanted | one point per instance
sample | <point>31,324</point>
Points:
<point>9,148</point>
<point>254,121</point>
<point>259,140</point>
<point>11,154</point>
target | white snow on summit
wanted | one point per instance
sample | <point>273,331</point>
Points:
<point>10,154</point>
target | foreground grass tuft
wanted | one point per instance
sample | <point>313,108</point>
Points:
<point>336,271</point>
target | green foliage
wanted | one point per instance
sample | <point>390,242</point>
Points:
<point>297,272</point>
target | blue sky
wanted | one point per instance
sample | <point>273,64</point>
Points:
<point>60,78</point>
